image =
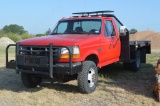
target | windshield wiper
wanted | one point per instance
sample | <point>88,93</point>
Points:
<point>77,33</point>
<point>56,33</point>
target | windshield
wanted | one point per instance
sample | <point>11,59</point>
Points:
<point>78,26</point>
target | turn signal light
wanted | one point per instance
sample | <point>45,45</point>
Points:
<point>79,16</point>
<point>66,56</point>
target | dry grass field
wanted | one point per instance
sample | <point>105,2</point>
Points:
<point>116,87</point>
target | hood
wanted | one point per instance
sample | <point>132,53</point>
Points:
<point>59,40</point>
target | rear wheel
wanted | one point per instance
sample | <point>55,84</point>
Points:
<point>136,65</point>
<point>30,80</point>
<point>88,78</point>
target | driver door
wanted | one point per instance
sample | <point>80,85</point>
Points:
<point>111,41</point>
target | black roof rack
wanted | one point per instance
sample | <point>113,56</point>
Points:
<point>94,12</point>
<point>98,13</point>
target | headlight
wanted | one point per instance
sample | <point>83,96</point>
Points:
<point>65,52</point>
<point>23,52</point>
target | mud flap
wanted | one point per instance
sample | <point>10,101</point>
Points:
<point>10,63</point>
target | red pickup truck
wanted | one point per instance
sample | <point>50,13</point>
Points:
<point>76,48</point>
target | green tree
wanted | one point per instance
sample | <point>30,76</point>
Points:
<point>48,32</point>
<point>133,31</point>
<point>26,36</point>
<point>14,28</point>
<point>13,37</point>
<point>39,35</point>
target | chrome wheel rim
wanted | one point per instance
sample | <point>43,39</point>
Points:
<point>91,77</point>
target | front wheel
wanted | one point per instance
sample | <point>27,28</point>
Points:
<point>88,78</point>
<point>30,80</point>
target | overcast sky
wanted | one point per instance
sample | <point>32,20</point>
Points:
<point>37,16</point>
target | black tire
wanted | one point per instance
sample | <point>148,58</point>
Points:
<point>30,80</point>
<point>126,66</point>
<point>143,56</point>
<point>136,65</point>
<point>88,78</point>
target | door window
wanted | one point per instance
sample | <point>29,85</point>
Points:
<point>109,29</point>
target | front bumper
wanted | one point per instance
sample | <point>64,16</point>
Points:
<point>58,68</point>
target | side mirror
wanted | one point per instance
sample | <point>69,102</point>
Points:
<point>123,30</point>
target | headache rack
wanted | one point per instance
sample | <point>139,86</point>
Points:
<point>95,13</point>
<point>105,13</point>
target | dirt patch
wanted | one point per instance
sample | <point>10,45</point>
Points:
<point>153,36</point>
<point>4,41</point>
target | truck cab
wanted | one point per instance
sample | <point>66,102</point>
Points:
<point>76,48</point>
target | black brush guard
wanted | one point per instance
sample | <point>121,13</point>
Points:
<point>44,63</point>
<point>12,63</point>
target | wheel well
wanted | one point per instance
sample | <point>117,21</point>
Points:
<point>93,58</point>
